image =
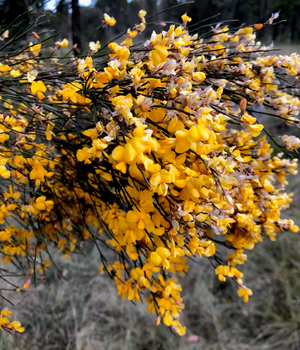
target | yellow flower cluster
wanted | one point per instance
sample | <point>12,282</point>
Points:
<point>156,154</point>
<point>9,325</point>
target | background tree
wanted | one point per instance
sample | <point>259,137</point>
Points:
<point>76,26</point>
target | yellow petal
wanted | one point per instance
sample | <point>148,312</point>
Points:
<point>130,153</point>
<point>122,167</point>
<point>155,258</point>
<point>183,144</point>
<point>92,133</point>
<point>41,199</point>
<point>132,216</point>
<point>40,206</point>
<point>199,76</point>
<point>210,250</point>
<point>118,153</point>
<point>255,129</point>
<point>159,231</point>
<point>163,252</point>
<point>159,54</point>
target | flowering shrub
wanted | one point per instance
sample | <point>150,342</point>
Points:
<point>151,152</point>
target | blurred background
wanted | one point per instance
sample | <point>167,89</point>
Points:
<point>79,309</point>
<point>80,20</point>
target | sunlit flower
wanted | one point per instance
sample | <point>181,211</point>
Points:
<point>109,20</point>
<point>64,43</point>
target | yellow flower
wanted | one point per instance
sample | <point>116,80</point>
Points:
<point>109,20</point>
<point>142,14</point>
<point>245,293</point>
<point>255,129</point>
<point>6,324</point>
<point>49,133</point>
<point>140,27</point>
<point>183,143</point>
<point>3,171</point>
<point>38,87</point>
<point>16,325</point>
<point>84,155</point>
<point>121,52</point>
<point>186,18</point>
<point>132,34</point>
<point>64,43</point>
<point>123,105</point>
<point>35,49</point>
<point>96,150</point>
<point>43,204</point>
<point>160,256</point>
<point>4,68</point>
<point>199,76</point>
<point>248,119</point>
<point>92,133</point>
<point>159,54</point>
<point>15,73</point>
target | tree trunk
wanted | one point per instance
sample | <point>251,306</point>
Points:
<point>76,26</point>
